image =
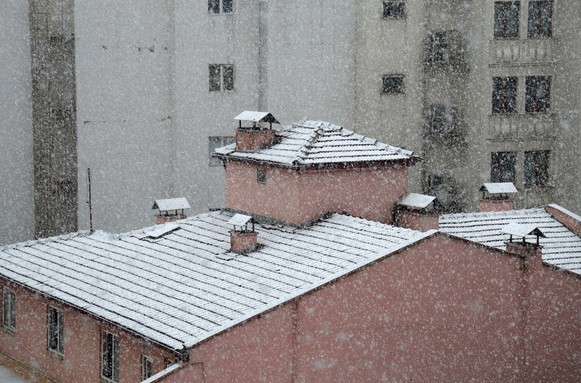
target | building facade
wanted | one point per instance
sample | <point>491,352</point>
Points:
<point>482,90</point>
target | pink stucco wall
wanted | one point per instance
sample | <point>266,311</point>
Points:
<point>442,310</point>
<point>301,196</point>
<point>81,362</point>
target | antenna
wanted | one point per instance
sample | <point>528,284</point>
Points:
<point>89,201</point>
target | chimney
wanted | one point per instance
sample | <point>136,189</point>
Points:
<point>170,209</point>
<point>417,212</point>
<point>495,196</point>
<point>256,136</point>
<point>529,251</point>
<point>243,238</point>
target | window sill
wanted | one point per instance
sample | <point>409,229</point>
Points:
<point>55,354</point>
<point>9,330</point>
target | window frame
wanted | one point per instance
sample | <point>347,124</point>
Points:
<point>503,164</point>
<point>261,175</point>
<point>218,7</point>
<point>146,367</point>
<point>218,80</point>
<point>393,88</point>
<point>538,94</point>
<point>538,27</point>
<point>394,10</point>
<point>212,146</point>
<point>110,366</point>
<point>9,309</point>
<point>503,18</point>
<point>536,168</point>
<point>504,95</point>
<point>55,331</point>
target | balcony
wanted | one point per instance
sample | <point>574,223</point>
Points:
<point>528,127</point>
<point>522,52</point>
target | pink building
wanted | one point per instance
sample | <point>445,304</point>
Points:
<point>319,289</point>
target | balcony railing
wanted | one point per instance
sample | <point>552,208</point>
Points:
<point>522,126</point>
<point>529,51</point>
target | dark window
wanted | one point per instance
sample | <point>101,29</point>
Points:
<point>110,357</point>
<point>394,9</point>
<point>502,167</point>
<point>537,168</point>
<point>261,175</point>
<point>56,330</point>
<point>538,94</point>
<point>146,367</point>
<point>504,91</point>
<point>214,143</point>
<point>506,19</point>
<point>540,23</point>
<point>220,6</point>
<point>442,119</point>
<point>392,84</point>
<point>221,77</point>
<point>9,309</point>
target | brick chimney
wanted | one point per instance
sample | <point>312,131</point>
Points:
<point>495,196</point>
<point>257,136</point>
<point>529,251</point>
<point>170,209</point>
<point>417,212</point>
<point>243,238</point>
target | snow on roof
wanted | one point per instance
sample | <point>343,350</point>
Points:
<point>521,230</point>
<point>561,247</point>
<point>318,142</point>
<point>171,204</point>
<point>256,117</point>
<point>499,188</point>
<point>417,201</point>
<point>240,220</point>
<point>187,285</point>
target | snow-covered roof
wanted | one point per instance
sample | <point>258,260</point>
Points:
<point>522,230</point>
<point>417,201</point>
<point>186,285</point>
<point>499,188</point>
<point>256,117</point>
<point>171,204</point>
<point>240,220</point>
<point>317,143</point>
<point>561,247</point>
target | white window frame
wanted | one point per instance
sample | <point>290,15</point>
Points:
<point>110,365</point>
<point>218,77</point>
<point>215,142</point>
<point>9,309</point>
<point>221,10</point>
<point>55,323</point>
<point>146,367</point>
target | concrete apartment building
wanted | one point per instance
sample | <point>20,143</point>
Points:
<point>152,77</point>
<point>257,292</point>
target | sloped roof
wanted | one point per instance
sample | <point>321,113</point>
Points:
<point>180,288</point>
<point>561,247</point>
<point>499,188</point>
<point>256,117</point>
<point>316,143</point>
<point>171,204</point>
<point>416,201</point>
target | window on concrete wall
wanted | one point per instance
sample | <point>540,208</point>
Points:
<point>146,367</point>
<point>537,168</point>
<point>110,357</point>
<point>394,9</point>
<point>540,22</point>
<point>220,6</point>
<point>504,94</point>
<point>215,142</point>
<point>392,84</point>
<point>502,167</point>
<point>9,309</point>
<point>221,77</point>
<point>538,94</point>
<point>506,19</point>
<point>56,330</point>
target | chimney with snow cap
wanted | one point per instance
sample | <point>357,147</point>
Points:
<point>529,251</point>
<point>257,136</point>
<point>243,238</point>
<point>495,196</point>
<point>170,209</point>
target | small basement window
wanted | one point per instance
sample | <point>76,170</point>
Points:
<point>261,175</point>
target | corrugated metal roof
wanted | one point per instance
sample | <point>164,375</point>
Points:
<point>318,142</point>
<point>561,247</point>
<point>186,285</point>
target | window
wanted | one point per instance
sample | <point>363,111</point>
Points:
<point>146,367</point>
<point>502,167</point>
<point>56,337</point>
<point>540,23</point>
<point>110,357</point>
<point>215,143</point>
<point>504,94</point>
<point>538,94</point>
<point>261,175</point>
<point>392,84</point>
<point>537,168</point>
<point>394,9</point>
<point>221,77</point>
<point>220,6</point>
<point>506,19</point>
<point>9,309</point>
<point>442,119</point>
